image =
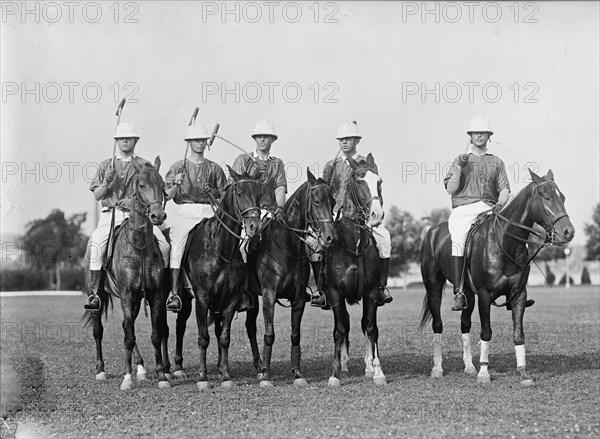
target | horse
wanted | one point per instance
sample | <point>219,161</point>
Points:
<point>279,268</point>
<point>499,266</point>
<point>352,268</point>
<point>138,273</point>
<point>214,266</point>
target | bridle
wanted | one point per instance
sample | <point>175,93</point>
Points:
<point>240,214</point>
<point>550,234</point>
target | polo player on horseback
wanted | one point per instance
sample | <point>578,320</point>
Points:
<point>477,182</point>
<point>194,184</point>
<point>114,186</point>
<point>273,181</point>
<point>336,174</point>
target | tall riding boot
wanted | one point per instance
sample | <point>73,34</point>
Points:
<point>93,301</point>
<point>318,298</point>
<point>173,301</point>
<point>383,296</point>
<point>460,301</point>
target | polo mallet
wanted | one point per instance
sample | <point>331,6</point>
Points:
<point>187,147</point>
<point>214,134</point>
<point>118,114</point>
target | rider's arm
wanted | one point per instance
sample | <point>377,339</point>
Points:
<point>503,197</point>
<point>99,185</point>
<point>452,180</point>
<point>280,196</point>
<point>171,184</point>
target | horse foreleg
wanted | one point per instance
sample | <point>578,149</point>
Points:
<point>139,362</point>
<point>297,313</point>
<point>218,331</point>
<point>373,335</point>
<point>203,340</point>
<point>485,336</point>
<point>159,323</point>
<point>269,339</point>
<point>224,341</point>
<point>341,323</point>
<point>364,324</point>
<point>98,331</point>
<point>180,327</point>
<point>251,316</point>
<point>465,327</point>
<point>519,339</point>
<point>130,312</point>
<point>434,286</point>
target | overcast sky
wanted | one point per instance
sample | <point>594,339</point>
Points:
<point>412,78</point>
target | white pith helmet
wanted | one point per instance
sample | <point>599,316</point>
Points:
<point>479,125</point>
<point>347,129</point>
<point>197,132</point>
<point>264,127</point>
<point>126,129</point>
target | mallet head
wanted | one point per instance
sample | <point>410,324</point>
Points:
<point>213,135</point>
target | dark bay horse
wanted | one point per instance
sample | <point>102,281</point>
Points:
<point>499,266</point>
<point>216,271</point>
<point>279,268</point>
<point>139,274</point>
<point>352,268</point>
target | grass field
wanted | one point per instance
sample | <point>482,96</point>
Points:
<point>54,358</point>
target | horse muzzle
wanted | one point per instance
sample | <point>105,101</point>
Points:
<point>252,222</point>
<point>563,231</point>
<point>157,216</point>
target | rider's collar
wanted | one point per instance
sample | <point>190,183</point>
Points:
<point>354,157</point>
<point>269,157</point>
<point>125,159</point>
<point>478,152</point>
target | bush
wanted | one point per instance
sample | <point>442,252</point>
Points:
<point>72,278</point>
<point>550,277</point>
<point>585,277</point>
<point>23,279</point>
<point>563,280</point>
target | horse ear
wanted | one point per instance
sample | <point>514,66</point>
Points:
<point>370,160</point>
<point>311,177</point>
<point>534,177</point>
<point>157,162</point>
<point>550,174</point>
<point>234,175</point>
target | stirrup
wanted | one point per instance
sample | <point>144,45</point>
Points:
<point>173,303</point>
<point>90,303</point>
<point>320,301</point>
<point>460,302</point>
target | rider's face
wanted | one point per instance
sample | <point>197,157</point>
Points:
<point>348,145</point>
<point>480,139</point>
<point>263,142</point>
<point>126,144</point>
<point>198,145</point>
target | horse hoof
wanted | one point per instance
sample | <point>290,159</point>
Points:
<point>527,382</point>
<point>334,382</point>
<point>300,382</point>
<point>101,376</point>
<point>168,376</point>
<point>164,385</point>
<point>369,373</point>
<point>126,385</point>
<point>437,373</point>
<point>203,385</point>
<point>265,383</point>
<point>470,370</point>
<point>259,376</point>
<point>179,374</point>
<point>380,381</point>
<point>142,377</point>
<point>483,379</point>
<point>228,384</point>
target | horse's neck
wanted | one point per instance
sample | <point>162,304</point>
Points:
<point>518,211</point>
<point>294,214</point>
<point>352,229</point>
<point>227,215</point>
<point>138,225</point>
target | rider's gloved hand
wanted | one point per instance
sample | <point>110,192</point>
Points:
<point>126,204</point>
<point>110,176</point>
<point>497,208</point>
<point>462,160</point>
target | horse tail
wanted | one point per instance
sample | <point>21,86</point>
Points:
<point>425,312</point>
<point>106,301</point>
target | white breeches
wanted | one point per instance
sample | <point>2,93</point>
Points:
<point>188,216</point>
<point>383,242</point>
<point>100,237</point>
<point>460,222</point>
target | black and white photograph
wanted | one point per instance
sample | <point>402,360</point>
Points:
<point>301,219</point>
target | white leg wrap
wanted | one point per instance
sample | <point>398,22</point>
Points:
<point>485,346</point>
<point>369,369</point>
<point>484,375</point>
<point>437,351</point>
<point>467,356</point>
<point>520,353</point>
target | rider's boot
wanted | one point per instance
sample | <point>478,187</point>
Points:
<point>92,302</point>
<point>318,297</point>
<point>383,296</point>
<point>460,300</point>
<point>173,301</point>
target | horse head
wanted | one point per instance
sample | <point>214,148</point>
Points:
<point>548,209</point>
<point>319,207</point>
<point>242,200</point>
<point>150,191</point>
<point>365,188</point>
